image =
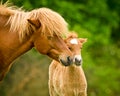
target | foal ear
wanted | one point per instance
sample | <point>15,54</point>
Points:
<point>83,40</point>
<point>34,22</point>
<point>72,34</point>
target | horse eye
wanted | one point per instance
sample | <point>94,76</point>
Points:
<point>49,37</point>
<point>70,48</point>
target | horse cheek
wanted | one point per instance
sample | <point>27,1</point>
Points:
<point>42,47</point>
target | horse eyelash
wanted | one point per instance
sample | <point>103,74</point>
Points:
<point>70,48</point>
<point>49,37</point>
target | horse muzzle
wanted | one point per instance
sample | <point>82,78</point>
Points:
<point>67,62</point>
<point>77,60</point>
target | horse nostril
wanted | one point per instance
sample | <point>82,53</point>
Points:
<point>78,62</point>
<point>69,60</point>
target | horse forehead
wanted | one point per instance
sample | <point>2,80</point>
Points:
<point>74,41</point>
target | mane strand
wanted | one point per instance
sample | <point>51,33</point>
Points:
<point>51,21</point>
<point>7,8</point>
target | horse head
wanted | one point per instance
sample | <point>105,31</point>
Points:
<point>75,45</point>
<point>48,28</point>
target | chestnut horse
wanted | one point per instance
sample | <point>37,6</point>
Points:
<point>69,80</point>
<point>40,28</point>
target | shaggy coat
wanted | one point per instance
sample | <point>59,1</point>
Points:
<point>68,80</point>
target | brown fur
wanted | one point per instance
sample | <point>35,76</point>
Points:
<point>70,80</point>
<point>47,17</point>
<point>20,31</point>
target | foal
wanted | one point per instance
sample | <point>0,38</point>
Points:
<point>68,80</point>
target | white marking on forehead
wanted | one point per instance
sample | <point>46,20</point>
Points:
<point>73,41</point>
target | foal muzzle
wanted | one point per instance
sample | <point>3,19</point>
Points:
<point>77,60</point>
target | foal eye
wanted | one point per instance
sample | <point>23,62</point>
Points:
<point>70,48</point>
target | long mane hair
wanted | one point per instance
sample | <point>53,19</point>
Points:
<point>50,20</point>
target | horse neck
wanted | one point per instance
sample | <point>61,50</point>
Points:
<point>3,20</point>
<point>10,45</point>
<point>74,75</point>
<point>69,70</point>
<point>73,69</point>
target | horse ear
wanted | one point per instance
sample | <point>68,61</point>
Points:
<point>34,22</point>
<point>83,40</point>
<point>72,34</point>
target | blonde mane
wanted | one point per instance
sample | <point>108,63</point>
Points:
<point>50,21</point>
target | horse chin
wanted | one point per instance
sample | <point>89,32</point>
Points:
<point>78,64</point>
<point>64,63</point>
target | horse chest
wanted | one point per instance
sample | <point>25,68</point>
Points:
<point>74,78</point>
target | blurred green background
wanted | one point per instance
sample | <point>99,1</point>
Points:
<point>97,20</point>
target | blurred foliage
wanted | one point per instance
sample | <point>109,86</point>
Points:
<point>97,20</point>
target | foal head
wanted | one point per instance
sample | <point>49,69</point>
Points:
<point>75,45</point>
